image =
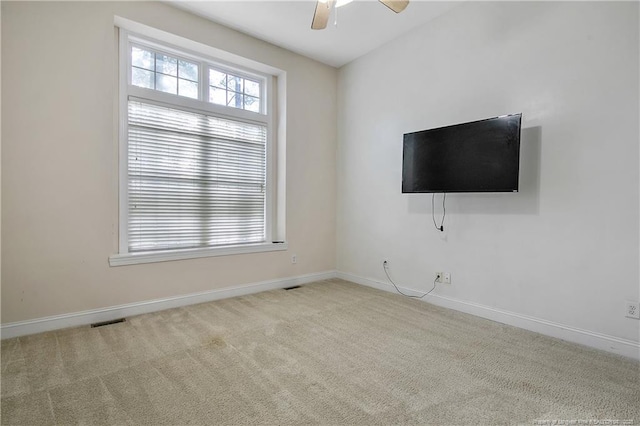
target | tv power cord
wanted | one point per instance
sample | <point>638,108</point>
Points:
<point>385,266</point>
<point>444,212</point>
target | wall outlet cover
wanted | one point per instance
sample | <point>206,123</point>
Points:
<point>632,309</point>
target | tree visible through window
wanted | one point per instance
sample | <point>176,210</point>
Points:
<point>234,91</point>
<point>161,72</point>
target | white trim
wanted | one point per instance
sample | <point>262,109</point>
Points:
<point>40,325</point>
<point>124,77</point>
<point>279,103</point>
<point>624,347</point>
<point>180,102</point>
<point>168,255</point>
<point>270,182</point>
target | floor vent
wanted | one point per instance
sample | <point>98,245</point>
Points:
<point>101,324</point>
<point>292,288</point>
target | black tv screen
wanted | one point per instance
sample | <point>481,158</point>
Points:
<point>480,156</point>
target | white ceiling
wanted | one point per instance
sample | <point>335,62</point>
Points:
<point>362,25</point>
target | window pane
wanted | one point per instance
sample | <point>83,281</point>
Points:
<point>142,78</point>
<point>251,103</point>
<point>141,58</point>
<point>252,88</point>
<point>234,99</point>
<point>188,88</point>
<point>234,83</point>
<point>165,83</point>
<point>168,74</point>
<point>217,96</point>
<point>217,78</point>
<point>166,64</point>
<point>188,70</point>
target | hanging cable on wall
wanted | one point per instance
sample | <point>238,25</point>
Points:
<point>444,211</point>
<point>385,266</point>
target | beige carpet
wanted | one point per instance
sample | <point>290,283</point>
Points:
<point>327,353</point>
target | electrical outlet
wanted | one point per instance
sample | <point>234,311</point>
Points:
<point>443,277</point>
<point>294,259</point>
<point>386,263</point>
<point>632,309</point>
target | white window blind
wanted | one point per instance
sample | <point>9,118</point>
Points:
<point>194,180</point>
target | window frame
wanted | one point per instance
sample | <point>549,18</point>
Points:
<point>266,116</point>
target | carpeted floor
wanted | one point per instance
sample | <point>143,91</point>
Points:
<point>327,353</point>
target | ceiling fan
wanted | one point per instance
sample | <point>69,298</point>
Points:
<point>323,10</point>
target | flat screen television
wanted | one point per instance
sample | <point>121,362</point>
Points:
<point>480,156</point>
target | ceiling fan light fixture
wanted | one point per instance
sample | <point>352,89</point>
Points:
<point>340,3</point>
<point>324,7</point>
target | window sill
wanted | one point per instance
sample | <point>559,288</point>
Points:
<point>165,256</point>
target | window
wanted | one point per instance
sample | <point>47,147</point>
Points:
<point>195,141</point>
<point>153,70</point>
<point>234,91</point>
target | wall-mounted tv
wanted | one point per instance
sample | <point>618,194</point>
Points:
<point>480,156</point>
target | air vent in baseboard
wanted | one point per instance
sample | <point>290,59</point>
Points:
<point>292,288</point>
<point>101,324</point>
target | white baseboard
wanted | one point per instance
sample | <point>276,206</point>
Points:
<point>76,319</point>
<point>627,348</point>
<point>624,347</point>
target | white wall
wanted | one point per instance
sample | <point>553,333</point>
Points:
<point>564,249</point>
<point>59,162</point>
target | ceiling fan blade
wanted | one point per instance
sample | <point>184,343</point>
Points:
<point>396,5</point>
<point>321,15</point>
